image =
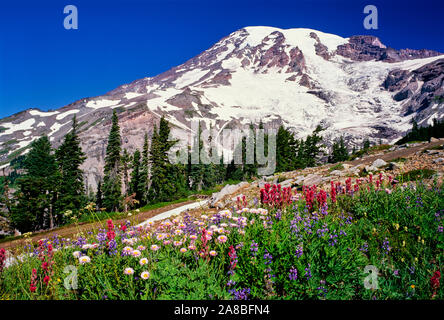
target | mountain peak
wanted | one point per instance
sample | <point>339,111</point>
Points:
<point>357,87</point>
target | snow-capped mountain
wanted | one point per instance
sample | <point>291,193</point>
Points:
<point>356,87</point>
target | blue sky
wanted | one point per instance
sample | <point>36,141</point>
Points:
<point>44,66</point>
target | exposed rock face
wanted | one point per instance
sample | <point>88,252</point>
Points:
<point>321,49</point>
<point>296,77</point>
<point>418,90</point>
<point>365,48</point>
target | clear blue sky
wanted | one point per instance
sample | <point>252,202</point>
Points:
<point>42,65</point>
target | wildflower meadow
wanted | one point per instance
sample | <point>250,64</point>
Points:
<point>371,238</point>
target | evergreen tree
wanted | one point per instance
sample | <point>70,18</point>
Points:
<point>339,151</point>
<point>311,148</point>
<point>36,194</point>
<point>136,187</point>
<point>144,171</point>
<point>162,174</point>
<point>69,158</point>
<point>197,170</point>
<point>99,196</point>
<point>366,144</point>
<point>285,150</point>
<point>250,169</point>
<point>112,184</point>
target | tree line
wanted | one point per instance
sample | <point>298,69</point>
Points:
<point>51,187</point>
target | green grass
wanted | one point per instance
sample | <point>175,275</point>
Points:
<point>400,159</point>
<point>438,147</point>
<point>414,175</point>
<point>10,142</point>
<point>338,166</point>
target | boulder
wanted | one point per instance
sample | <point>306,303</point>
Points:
<point>286,183</point>
<point>312,179</point>
<point>227,190</point>
<point>338,173</point>
<point>378,163</point>
<point>438,160</point>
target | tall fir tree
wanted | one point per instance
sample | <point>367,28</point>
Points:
<point>136,187</point>
<point>162,174</point>
<point>143,184</point>
<point>36,195</point>
<point>339,151</point>
<point>285,150</point>
<point>112,184</point>
<point>69,158</point>
<point>99,196</point>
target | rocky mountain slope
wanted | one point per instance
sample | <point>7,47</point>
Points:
<point>356,87</point>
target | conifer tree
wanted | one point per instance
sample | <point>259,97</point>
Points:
<point>143,183</point>
<point>112,184</point>
<point>99,196</point>
<point>339,151</point>
<point>69,158</point>
<point>36,194</point>
<point>162,174</point>
<point>136,187</point>
<point>285,150</point>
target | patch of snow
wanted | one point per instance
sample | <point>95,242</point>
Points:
<point>131,95</point>
<point>13,127</point>
<point>67,113</point>
<point>42,114</point>
<point>103,103</point>
<point>190,77</point>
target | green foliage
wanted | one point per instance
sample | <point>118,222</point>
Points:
<point>69,158</point>
<point>416,174</point>
<point>286,149</point>
<point>163,173</point>
<point>136,187</point>
<point>338,166</point>
<point>37,190</point>
<point>339,151</point>
<point>112,184</point>
<point>436,130</point>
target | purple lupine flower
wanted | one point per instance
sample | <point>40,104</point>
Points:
<point>278,215</point>
<point>333,239</point>
<point>299,251</point>
<point>308,272</point>
<point>440,229</point>
<point>268,257</point>
<point>254,248</point>
<point>241,294</point>
<point>386,246</point>
<point>112,246</point>
<point>364,247</point>
<point>293,275</point>
<point>322,290</point>
<point>231,283</point>
<point>396,272</point>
